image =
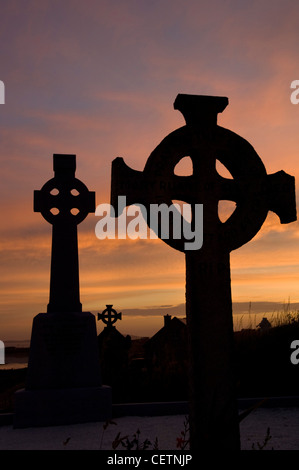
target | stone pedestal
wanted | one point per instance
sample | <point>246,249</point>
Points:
<point>64,382</point>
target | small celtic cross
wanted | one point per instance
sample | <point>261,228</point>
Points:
<point>109,316</point>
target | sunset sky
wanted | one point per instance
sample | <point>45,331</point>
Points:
<point>98,79</point>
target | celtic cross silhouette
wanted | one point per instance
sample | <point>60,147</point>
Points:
<point>109,316</point>
<point>64,202</point>
<point>213,403</point>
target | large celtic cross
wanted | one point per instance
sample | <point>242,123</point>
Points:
<point>64,201</point>
<point>213,403</point>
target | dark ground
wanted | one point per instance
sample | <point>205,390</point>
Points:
<point>263,369</point>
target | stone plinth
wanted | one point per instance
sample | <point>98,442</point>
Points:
<point>37,408</point>
<point>64,382</point>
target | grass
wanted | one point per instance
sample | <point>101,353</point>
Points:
<point>250,320</point>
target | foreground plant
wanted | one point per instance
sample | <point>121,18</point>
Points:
<point>263,445</point>
<point>183,441</point>
<point>134,443</point>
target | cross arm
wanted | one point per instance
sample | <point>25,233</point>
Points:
<point>148,187</point>
<point>127,182</point>
<point>280,194</point>
<point>277,190</point>
<point>87,201</point>
<point>42,201</point>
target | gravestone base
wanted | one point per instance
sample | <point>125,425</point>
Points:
<point>37,408</point>
<point>63,383</point>
<point>63,352</point>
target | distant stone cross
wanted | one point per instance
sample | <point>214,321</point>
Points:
<point>64,201</point>
<point>213,404</point>
<point>109,316</point>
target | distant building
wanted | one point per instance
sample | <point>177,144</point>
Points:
<point>264,324</point>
